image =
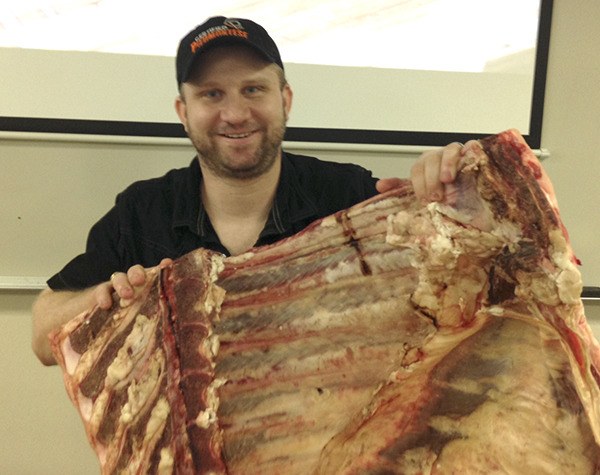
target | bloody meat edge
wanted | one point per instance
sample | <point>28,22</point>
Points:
<point>391,337</point>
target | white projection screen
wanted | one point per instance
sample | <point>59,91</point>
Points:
<point>406,72</point>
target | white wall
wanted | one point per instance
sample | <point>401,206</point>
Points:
<point>40,431</point>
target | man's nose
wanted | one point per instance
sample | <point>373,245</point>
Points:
<point>235,109</point>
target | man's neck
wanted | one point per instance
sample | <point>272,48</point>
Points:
<point>239,197</point>
<point>238,209</point>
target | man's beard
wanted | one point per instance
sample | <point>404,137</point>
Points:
<point>264,157</point>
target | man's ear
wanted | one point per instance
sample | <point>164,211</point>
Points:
<point>181,109</point>
<point>288,95</point>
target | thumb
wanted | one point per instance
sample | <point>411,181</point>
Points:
<point>387,184</point>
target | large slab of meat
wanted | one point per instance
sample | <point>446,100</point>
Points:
<point>392,337</point>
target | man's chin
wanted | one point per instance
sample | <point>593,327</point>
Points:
<point>237,171</point>
<point>240,164</point>
<point>248,172</point>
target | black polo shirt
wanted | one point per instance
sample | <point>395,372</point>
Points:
<point>164,217</point>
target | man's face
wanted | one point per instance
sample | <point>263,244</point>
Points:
<point>234,110</point>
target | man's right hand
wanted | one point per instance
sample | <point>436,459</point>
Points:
<point>52,309</point>
<point>125,284</point>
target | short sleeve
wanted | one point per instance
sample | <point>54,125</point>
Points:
<point>100,259</point>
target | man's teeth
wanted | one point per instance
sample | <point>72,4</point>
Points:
<point>237,136</point>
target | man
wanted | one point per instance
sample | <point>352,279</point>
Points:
<point>242,190</point>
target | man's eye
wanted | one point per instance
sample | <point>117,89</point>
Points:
<point>212,94</point>
<point>253,89</point>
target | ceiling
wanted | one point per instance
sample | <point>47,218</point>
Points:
<point>453,35</point>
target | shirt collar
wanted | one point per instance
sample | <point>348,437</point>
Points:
<point>290,206</point>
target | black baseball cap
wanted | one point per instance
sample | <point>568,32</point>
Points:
<point>220,30</point>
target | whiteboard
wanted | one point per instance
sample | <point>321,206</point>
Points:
<point>53,191</point>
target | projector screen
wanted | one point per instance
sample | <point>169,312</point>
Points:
<point>408,75</point>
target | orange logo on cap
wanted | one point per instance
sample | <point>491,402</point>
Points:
<point>217,33</point>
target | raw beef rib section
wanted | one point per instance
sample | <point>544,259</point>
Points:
<point>392,337</point>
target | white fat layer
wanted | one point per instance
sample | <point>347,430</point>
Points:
<point>341,271</point>
<point>166,463</point>
<point>569,278</point>
<point>496,311</point>
<point>85,406</point>
<point>140,459</point>
<point>214,294</point>
<point>329,222</point>
<point>208,416</point>
<point>139,392</point>
<point>158,418</point>
<point>559,281</point>
<point>98,410</point>
<point>213,299</point>
<point>448,257</point>
<point>210,346</point>
<point>369,208</point>
<point>132,351</point>
<point>238,258</point>
<point>569,286</point>
<point>441,243</point>
<point>70,356</point>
